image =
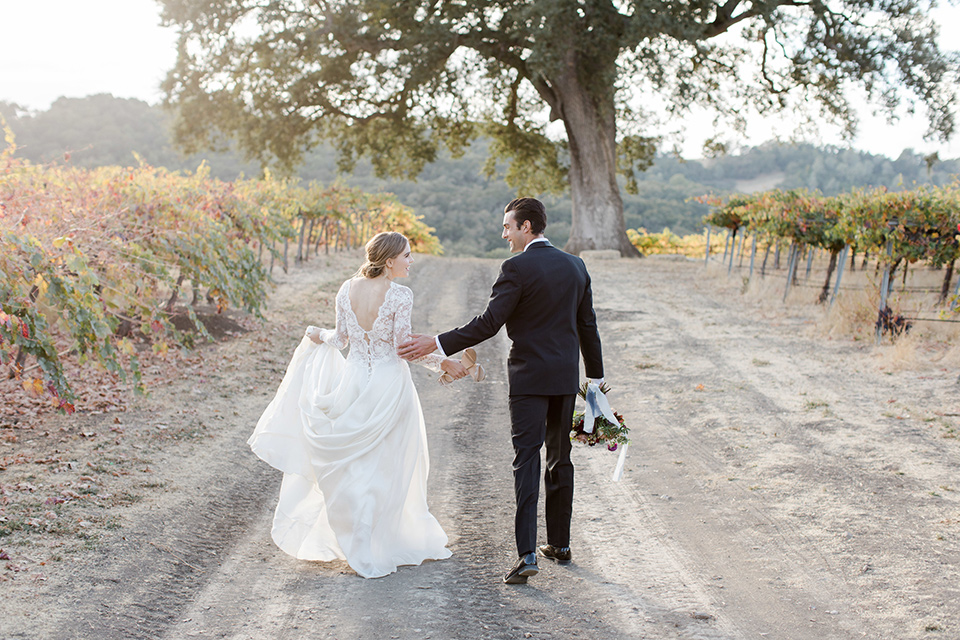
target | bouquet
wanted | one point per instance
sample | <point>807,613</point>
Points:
<point>603,430</point>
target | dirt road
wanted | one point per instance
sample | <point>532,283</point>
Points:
<point>779,485</point>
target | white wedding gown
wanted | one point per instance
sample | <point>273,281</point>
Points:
<point>348,435</point>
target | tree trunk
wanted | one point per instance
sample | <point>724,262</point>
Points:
<point>763,267</point>
<point>590,122</point>
<point>176,293</point>
<point>945,288</point>
<point>303,229</point>
<point>825,293</point>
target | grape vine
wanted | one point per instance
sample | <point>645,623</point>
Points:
<point>910,226</point>
<point>93,263</point>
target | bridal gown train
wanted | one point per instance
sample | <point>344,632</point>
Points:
<point>348,435</point>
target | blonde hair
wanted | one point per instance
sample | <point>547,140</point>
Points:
<point>380,248</point>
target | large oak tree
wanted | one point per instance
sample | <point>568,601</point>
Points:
<point>396,80</point>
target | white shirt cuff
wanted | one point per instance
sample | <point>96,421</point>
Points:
<point>597,381</point>
<point>439,347</point>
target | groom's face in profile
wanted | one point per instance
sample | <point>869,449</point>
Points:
<point>513,234</point>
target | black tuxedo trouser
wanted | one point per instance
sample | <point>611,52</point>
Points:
<point>535,421</point>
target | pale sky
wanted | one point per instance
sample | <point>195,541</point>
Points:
<point>76,48</point>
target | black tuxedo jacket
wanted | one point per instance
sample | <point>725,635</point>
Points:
<point>543,296</point>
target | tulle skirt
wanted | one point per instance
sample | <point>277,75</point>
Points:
<point>351,444</point>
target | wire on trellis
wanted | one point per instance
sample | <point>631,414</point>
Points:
<point>781,273</point>
<point>933,320</point>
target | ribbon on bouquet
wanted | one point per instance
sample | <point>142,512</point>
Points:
<point>597,406</point>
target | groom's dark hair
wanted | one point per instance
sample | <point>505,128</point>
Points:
<point>528,209</point>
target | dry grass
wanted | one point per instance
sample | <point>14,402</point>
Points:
<point>903,354</point>
<point>852,314</point>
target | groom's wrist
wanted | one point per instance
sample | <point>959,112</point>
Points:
<point>439,346</point>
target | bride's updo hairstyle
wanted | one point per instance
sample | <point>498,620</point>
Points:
<point>382,247</point>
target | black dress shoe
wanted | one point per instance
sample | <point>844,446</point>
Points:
<point>561,555</point>
<point>526,566</point>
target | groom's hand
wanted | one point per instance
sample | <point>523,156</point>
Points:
<point>417,346</point>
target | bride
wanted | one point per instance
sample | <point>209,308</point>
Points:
<point>348,434</point>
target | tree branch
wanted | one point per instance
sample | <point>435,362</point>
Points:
<point>725,18</point>
<point>764,72</point>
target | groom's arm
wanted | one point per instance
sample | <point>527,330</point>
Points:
<point>589,335</point>
<point>503,300</point>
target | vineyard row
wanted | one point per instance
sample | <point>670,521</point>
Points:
<point>94,263</point>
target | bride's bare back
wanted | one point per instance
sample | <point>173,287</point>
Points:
<point>366,297</point>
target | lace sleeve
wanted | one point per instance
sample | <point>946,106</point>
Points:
<point>339,338</point>
<point>402,331</point>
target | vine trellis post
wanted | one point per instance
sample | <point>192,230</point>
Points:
<point>706,256</point>
<point>841,263</point>
<point>884,289</point>
<point>956,293</point>
<point>306,253</point>
<point>321,235</point>
<point>733,250</point>
<point>753,255</point>
<point>791,267</point>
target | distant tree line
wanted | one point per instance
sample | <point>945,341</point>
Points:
<point>452,194</point>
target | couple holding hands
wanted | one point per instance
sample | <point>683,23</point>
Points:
<point>348,433</point>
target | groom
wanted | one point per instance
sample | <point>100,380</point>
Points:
<point>543,297</point>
